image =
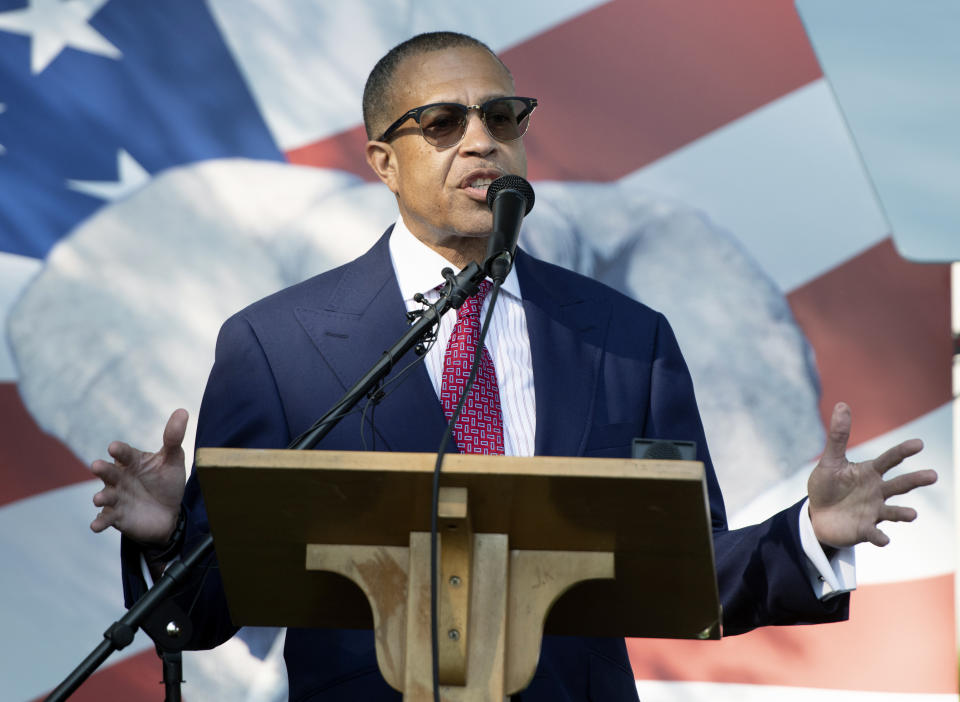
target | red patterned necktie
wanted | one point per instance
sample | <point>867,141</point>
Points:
<point>479,428</point>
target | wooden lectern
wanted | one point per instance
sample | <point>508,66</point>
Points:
<point>341,539</point>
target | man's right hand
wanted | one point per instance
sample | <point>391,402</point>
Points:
<point>142,491</point>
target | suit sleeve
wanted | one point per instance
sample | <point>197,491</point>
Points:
<point>761,571</point>
<point>240,409</point>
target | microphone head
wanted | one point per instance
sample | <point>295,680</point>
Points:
<point>511,182</point>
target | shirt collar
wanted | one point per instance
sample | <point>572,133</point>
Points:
<point>418,267</point>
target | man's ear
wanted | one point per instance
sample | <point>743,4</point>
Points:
<point>383,160</point>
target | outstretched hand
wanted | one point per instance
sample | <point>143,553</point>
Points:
<point>142,491</point>
<point>848,500</point>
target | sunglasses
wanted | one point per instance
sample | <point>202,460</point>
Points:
<point>443,124</point>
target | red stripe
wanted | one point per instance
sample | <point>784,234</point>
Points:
<point>900,638</point>
<point>135,679</point>
<point>633,80</point>
<point>343,151</point>
<point>31,461</point>
<point>880,326</point>
<point>628,82</point>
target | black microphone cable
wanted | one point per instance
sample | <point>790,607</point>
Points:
<point>435,504</point>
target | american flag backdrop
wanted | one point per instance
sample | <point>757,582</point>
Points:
<point>165,162</point>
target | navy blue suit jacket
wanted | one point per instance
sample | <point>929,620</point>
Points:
<point>606,369</point>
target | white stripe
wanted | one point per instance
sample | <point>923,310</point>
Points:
<point>663,691</point>
<point>15,273</point>
<point>60,589</point>
<point>509,346</point>
<point>785,180</point>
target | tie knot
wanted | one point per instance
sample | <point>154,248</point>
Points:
<point>472,305</point>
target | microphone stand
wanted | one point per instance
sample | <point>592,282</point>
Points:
<point>175,634</point>
<point>121,632</point>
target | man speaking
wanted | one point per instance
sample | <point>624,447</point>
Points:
<point>570,368</point>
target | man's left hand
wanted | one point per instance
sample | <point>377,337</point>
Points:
<point>848,500</point>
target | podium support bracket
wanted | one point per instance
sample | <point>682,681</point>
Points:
<point>537,579</point>
<point>456,566</point>
<point>483,586</point>
<point>381,572</point>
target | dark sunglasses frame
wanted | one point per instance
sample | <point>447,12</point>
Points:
<point>417,112</point>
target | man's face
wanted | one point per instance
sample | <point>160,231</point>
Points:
<point>442,192</point>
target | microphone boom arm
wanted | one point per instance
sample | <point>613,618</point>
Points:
<point>459,287</point>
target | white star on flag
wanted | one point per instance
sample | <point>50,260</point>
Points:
<point>130,176</point>
<point>53,25</point>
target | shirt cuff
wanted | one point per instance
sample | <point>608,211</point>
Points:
<point>145,570</point>
<point>147,575</point>
<point>828,577</point>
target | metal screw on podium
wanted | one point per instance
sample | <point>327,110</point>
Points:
<point>454,635</point>
<point>455,580</point>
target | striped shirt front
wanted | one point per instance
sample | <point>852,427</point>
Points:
<point>418,267</point>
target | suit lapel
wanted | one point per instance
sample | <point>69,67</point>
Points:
<point>362,319</point>
<point>365,315</point>
<point>567,330</point>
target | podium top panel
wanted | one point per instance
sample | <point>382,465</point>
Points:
<point>378,498</point>
<point>265,506</point>
<point>453,463</point>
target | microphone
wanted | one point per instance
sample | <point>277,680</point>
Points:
<point>511,199</point>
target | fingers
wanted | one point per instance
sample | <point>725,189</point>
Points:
<point>173,433</point>
<point>175,430</point>
<point>877,537</point>
<point>902,484</point>
<point>109,473</point>
<point>891,513</point>
<point>128,479</point>
<point>99,524</point>
<point>123,453</point>
<point>894,456</point>
<point>840,420</point>
<point>106,498</point>
<point>106,518</point>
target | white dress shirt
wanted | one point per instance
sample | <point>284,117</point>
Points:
<point>418,271</point>
<point>418,267</point>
